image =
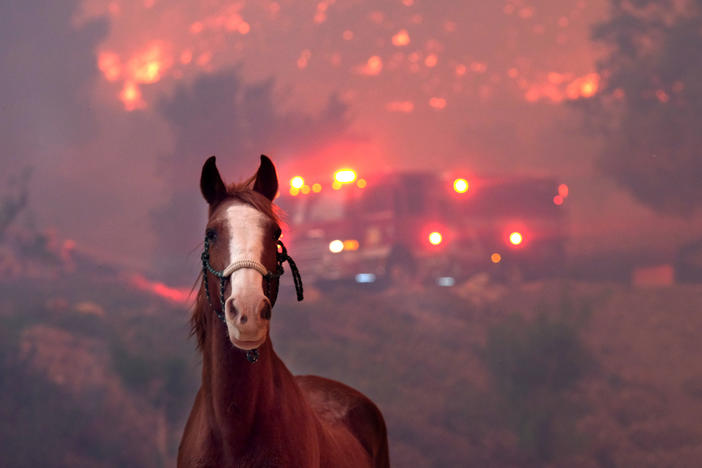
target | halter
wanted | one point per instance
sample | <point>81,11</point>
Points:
<point>224,275</point>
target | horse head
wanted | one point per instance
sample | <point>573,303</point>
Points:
<point>242,257</point>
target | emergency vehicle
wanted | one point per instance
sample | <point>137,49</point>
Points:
<point>423,226</point>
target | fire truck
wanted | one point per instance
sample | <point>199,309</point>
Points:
<point>424,226</point>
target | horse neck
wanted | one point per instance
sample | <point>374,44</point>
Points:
<point>241,395</point>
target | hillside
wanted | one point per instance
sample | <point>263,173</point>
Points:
<point>544,374</point>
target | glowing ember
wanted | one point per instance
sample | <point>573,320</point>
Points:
<point>437,102</point>
<point>148,66</point>
<point>662,96</point>
<point>495,258</point>
<point>131,97</point>
<point>402,38</point>
<point>400,106</point>
<point>372,67</point>
<point>478,67</point>
<point>186,57</point>
<point>304,59</point>
<point>109,65</point>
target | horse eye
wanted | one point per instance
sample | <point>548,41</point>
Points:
<point>211,234</point>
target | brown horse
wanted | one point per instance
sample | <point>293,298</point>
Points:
<point>250,410</point>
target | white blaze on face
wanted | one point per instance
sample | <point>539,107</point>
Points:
<point>246,227</point>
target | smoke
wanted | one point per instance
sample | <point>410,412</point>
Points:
<point>221,114</point>
<point>47,68</point>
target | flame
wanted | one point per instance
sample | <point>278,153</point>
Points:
<point>372,67</point>
<point>179,295</point>
<point>583,87</point>
<point>148,66</point>
<point>131,97</point>
<point>109,65</point>
<point>402,38</point>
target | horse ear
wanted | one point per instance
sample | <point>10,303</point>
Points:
<point>211,184</point>
<point>266,179</point>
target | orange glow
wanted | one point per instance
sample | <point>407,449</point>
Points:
<point>662,96</point>
<point>431,60</point>
<point>583,87</point>
<point>460,185</point>
<point>294,191</point>
<point>345,176</point>
<point>304,59</point>
<point>402,38</point>
<point>316,188</point>
<point>461,70</point>
<point>109,65</point>
<point>435,238</point>
<point>297,182</point>
<point>400,106</point>
<point>437,102</point>
<point>186,57</point>
<point>372,67</point>
<point>563,190</point>
<point>361,183</point>
<point>478,67</point>
<point>336,246</point>
<point>351,244</point>
<point>305,189</point>
<point>336,185</point>
<point>131,97</point>
<point>166,292</point>
<point>148,66</point>
<point>196,27</point>
<point>495,258</point>
<point>558,200</point>
<point>516,238</point>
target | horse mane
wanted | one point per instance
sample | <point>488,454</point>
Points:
<point>244,193</point>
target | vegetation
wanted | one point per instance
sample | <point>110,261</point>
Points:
<point>459,384</point>
<point>650,101</point>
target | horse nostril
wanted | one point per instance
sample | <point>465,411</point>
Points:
<point>266,312</point>
<point>243,319</point>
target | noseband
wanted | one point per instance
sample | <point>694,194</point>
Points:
<point>281,256</point>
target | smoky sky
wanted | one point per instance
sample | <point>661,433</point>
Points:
<point>479,87</point>
<point>220,114</point>
<point>47,66</point>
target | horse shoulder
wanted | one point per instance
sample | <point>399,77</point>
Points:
<point>337,404</point>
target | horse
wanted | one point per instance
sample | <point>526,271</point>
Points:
<point>250,411</point>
